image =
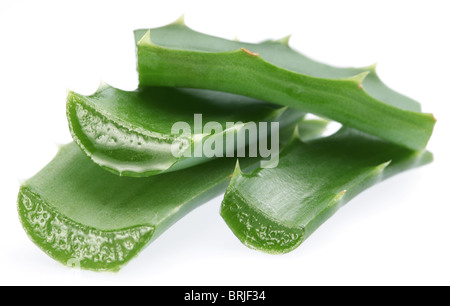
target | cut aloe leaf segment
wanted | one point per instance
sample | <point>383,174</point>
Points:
<point>177,56</point>
<point>82,215</point>
<point>275,210</point>
<point>130,132</point>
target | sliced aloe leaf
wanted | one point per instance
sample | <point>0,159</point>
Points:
<point>275,210</point>
<point>82,215</point>
<point>175,55</point>
<point>130,133</point>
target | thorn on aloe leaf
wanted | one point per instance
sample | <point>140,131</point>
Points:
<point>237,171</point>
<point>180,20</point>
<point>285,40</point>
<point>145,39</point>
<point>340,195</point>
<point>372,68</point>
<point>380,168</point>
<point>337,198</point>
<point>250,52</point>
<point>359,78</point>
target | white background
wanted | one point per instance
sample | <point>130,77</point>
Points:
<point>396,233</point>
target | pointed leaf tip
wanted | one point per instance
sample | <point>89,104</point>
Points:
<point>180,20</point>
<point>296,134</point>
<point>236,173</point>
<point>337,198</point>
<point>145,39</point>
<point>380,168</point>
<point>279,111</point>
<point>285,40</point>
<point>237,169</point>
<point>359,78</point>
<point>372,67</point>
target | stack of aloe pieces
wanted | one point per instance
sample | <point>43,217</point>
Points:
<point>119,185</point>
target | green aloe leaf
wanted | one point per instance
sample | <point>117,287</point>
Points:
<point>275,210</point>
<point>175,55</point>
<point>130,132</point>
<point>82,215</point>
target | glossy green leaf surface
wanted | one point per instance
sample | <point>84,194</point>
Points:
<point>82,215</point>
<point>272,71</point>
<point>275,210</point>
<point>130,132</point>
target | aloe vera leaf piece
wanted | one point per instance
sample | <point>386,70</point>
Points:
<point>275,210</point>
<point>175,55</point>
<point>80,214</point>
<point>129,132</point>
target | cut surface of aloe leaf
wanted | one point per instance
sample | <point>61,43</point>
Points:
<point>84,216</point>
<point>272,71</point>
<point>275,210</point>
<point>130,132</point>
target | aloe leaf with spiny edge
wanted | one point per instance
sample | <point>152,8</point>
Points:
<point>272,71</point>
<point>130,132</point>
<point>275,210</point>
<point>82,215</point>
